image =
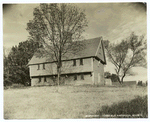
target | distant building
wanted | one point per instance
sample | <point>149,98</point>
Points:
<point>86,67</point>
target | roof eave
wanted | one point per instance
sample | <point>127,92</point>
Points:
<point>104,53</point>
<point>103,62</point>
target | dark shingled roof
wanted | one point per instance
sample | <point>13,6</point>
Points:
<point>90,50</point>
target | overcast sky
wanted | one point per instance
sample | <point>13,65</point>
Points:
<point>112,21</point>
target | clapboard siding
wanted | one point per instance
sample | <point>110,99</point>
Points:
<point>67,67</point>
<point>70,79</point>
<point>98,69</point>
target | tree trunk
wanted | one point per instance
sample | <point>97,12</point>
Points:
<point>58,78</point>
<point>58,72</point>
<point>122,79</point>
<point>118,77</point>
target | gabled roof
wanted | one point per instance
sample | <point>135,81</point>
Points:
<point>90,50</point>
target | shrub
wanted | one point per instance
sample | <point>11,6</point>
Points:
<point>139,83</point>
<point>107,74</point>
<point>114,78</point>
<point>135,106</point>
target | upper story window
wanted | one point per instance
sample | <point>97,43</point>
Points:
<point>74,62</point>
<point>99,63</point>
<point>43,66</point>
<point>38,66</point>
<point>81,61</point>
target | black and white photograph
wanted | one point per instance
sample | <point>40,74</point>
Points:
<point>75,60</point>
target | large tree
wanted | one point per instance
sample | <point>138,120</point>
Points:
<point>15,64</point>
<point>128,53</point>
<point>58,27</point>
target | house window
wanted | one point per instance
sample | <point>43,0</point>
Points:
<point>99,63</point>
<point>82,77</point>
<point>74,62</point>
<point>39,79</point>
<point>45,79</point>
<point>66,76</point>
<point>81,61</point>
<point>75,77</point>
<point>38,66</point>
<point>43,66</point>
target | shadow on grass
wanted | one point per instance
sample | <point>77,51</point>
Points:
<point>137,106</point>
<point>17,87</point>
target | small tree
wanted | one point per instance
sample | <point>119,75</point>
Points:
<point>57,27</point>
<point>127,54</point>
<point>107,74</point>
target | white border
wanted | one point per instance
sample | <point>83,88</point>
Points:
<point>67,1</point>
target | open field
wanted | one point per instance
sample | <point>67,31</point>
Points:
<point>69,102</point>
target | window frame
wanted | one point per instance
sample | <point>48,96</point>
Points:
<point>38,67</point>
<point>99,63</point>
<point>45,80</point>
<point>43,66</point>
<point>39,79</point>
<point>81,61</point>
<point>82,76</point>
<point>75,77</point>
<point>74,62</point>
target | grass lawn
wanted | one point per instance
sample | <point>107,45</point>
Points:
<point>69,102</point>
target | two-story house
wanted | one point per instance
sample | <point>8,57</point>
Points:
<point>87,67</point>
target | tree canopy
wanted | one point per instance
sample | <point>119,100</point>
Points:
<point>128,53</point>
<point>15,64</point>
<point>57,27</point>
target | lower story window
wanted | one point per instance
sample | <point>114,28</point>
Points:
<point>39,79</point>
<point>82,77</point>
<point>45,79</point>
<point>75,77</point>
<point>66,76</point>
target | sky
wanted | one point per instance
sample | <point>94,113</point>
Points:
<point>112,21</point>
